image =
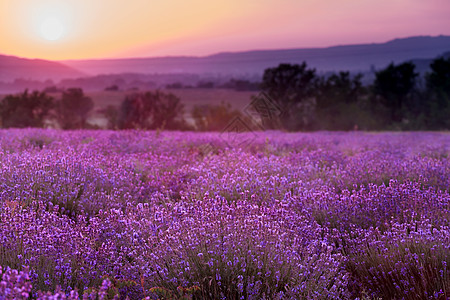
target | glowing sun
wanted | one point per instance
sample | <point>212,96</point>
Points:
<point>52,29</point>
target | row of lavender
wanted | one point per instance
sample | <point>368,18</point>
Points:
<point>92,214</point>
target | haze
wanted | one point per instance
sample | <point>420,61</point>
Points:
<point>137,28</point>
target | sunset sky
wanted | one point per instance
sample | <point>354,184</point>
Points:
<point>78,29</point>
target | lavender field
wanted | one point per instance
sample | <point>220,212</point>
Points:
<point>175,215</point>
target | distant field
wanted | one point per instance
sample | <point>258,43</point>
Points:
<point>189,97</point>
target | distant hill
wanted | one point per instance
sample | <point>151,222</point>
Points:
<point>189,70</point>
<point>356,58</point>
<point>12,68</point>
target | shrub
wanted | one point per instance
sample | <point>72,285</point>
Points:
<point>410,262</point>
<point>243,251</point>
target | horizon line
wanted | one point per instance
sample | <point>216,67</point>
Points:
<point>254,50</point>
<point>225,51</point>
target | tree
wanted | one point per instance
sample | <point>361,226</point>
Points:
<point>26,109</point>
<point>394,87</point>
<point>292,88</point>
<point>152,110</point>
<point>438,90</point>
<point>439,78</point>
<point>339,102</point>
<point>73,109</point>
<point>339,88</point>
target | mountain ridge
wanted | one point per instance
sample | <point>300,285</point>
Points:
<point>356,57</point>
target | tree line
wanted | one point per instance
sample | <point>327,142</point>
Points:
<point>150,110</point>
<point>398,99</point>
<point>38,109</point>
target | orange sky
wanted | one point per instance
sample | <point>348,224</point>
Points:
<point>138,28</point>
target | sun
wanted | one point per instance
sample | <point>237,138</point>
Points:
<point>52,29</point>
